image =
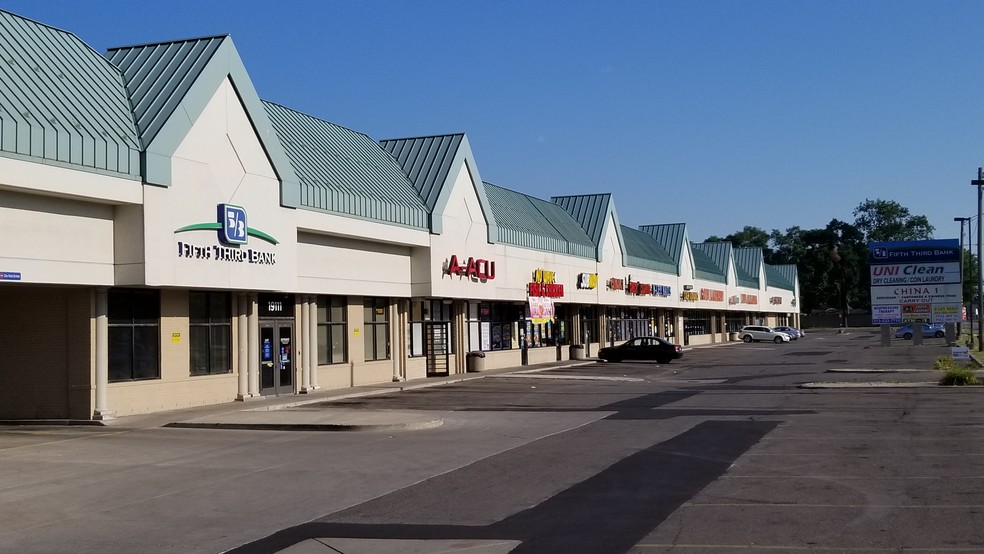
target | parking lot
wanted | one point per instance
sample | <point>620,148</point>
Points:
<point>721,451</point>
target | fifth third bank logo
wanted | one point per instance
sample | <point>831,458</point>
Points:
<point>880,253</point>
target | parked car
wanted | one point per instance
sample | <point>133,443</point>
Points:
<point>642,348</point>
<point>793,332</point>
<point>928,329</point>
<point>757,333</point>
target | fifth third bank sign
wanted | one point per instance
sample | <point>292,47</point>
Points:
<point>915,281</point>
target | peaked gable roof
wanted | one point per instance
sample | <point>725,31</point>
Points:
<point>642,250</point>
<point>783,276</point>
<point>345,172</point>
<point>592,212</point>
<point>159,75</point>
<point>426,161</point>
<point>672,237</point>
<point>748,266</point>
<point>62,103</point>
<point>522,220</point>
<point>431,163</point>
<point>169,85</point>
<point>711,260</point>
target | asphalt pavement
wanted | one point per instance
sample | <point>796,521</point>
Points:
<point>524,459</point>
<point>305,412</point>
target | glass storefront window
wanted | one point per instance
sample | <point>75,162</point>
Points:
<point>376,328</point>
<point>210,330</point>
<point>332,348</point>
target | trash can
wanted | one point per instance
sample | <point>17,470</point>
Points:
<point>475,361</point>
<point>577,352</point>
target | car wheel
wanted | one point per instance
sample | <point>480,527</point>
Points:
<point>777,340</point>
<point>907,336</point>
<point>939,334</point>
<point>747,338</point>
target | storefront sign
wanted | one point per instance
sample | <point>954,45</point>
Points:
<point>10,276</point>
<point>637,288</point>
<point>749,299</point>
<point>775,300</point>
<point>587,281</point>
<point>544,284</point>
<point>734,299</point>
<point>225,254</point>
<point>483,270</point>
<point>615,284</point>
<point>689,296</point>
<point>712,295</point>
<point>233,232</point>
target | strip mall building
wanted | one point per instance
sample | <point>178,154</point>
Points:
<point>168,239</point>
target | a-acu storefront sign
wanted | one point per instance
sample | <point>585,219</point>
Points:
<point>482,270</point>
<point>233,235</point>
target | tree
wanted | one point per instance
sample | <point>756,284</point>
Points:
<point>831,263</point>
<point>748,237</point>
<point>788,248</point>
<point>887,220</point>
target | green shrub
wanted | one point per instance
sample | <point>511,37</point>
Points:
<point>958,377</point>
<point>944,363</point>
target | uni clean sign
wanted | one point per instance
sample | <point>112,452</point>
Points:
<point>915,281</point>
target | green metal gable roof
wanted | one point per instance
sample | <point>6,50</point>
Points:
<point>432,164</point>
<point>748,266</point>
<point>645,252</point>
<point>346,172</point>
<point>589,210</point>
<point>171,83</point>
<point>672,237</point>
<point>61,103</point>
<point>711,260</point>
<point>782,276</point>
<point>529,222</point>
<point>774,278</point>
<point>427,161</point>
<point>159,76</point>
<point>592,212</point>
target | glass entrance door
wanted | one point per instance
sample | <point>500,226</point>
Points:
<point>276,357</point>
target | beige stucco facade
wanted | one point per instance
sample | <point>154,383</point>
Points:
<point>75,241</point>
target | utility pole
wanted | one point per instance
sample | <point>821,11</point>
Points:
<point>962,304</point>
<point>979,183</point>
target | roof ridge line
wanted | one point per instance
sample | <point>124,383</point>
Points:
<point>162,42</point>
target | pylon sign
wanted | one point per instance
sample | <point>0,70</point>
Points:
<point>915,281</point>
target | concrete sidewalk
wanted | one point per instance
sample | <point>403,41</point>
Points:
<point>299,412</point>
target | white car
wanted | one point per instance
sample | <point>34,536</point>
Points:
<point>756,333</point>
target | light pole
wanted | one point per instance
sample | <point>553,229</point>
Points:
<point>962,220</point>
<point>979,182</point>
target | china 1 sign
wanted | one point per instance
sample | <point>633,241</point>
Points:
<point>915,281</point>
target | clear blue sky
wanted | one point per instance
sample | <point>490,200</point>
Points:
<point>719,114</point>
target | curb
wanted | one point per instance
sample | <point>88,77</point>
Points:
<point>334,427</point>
